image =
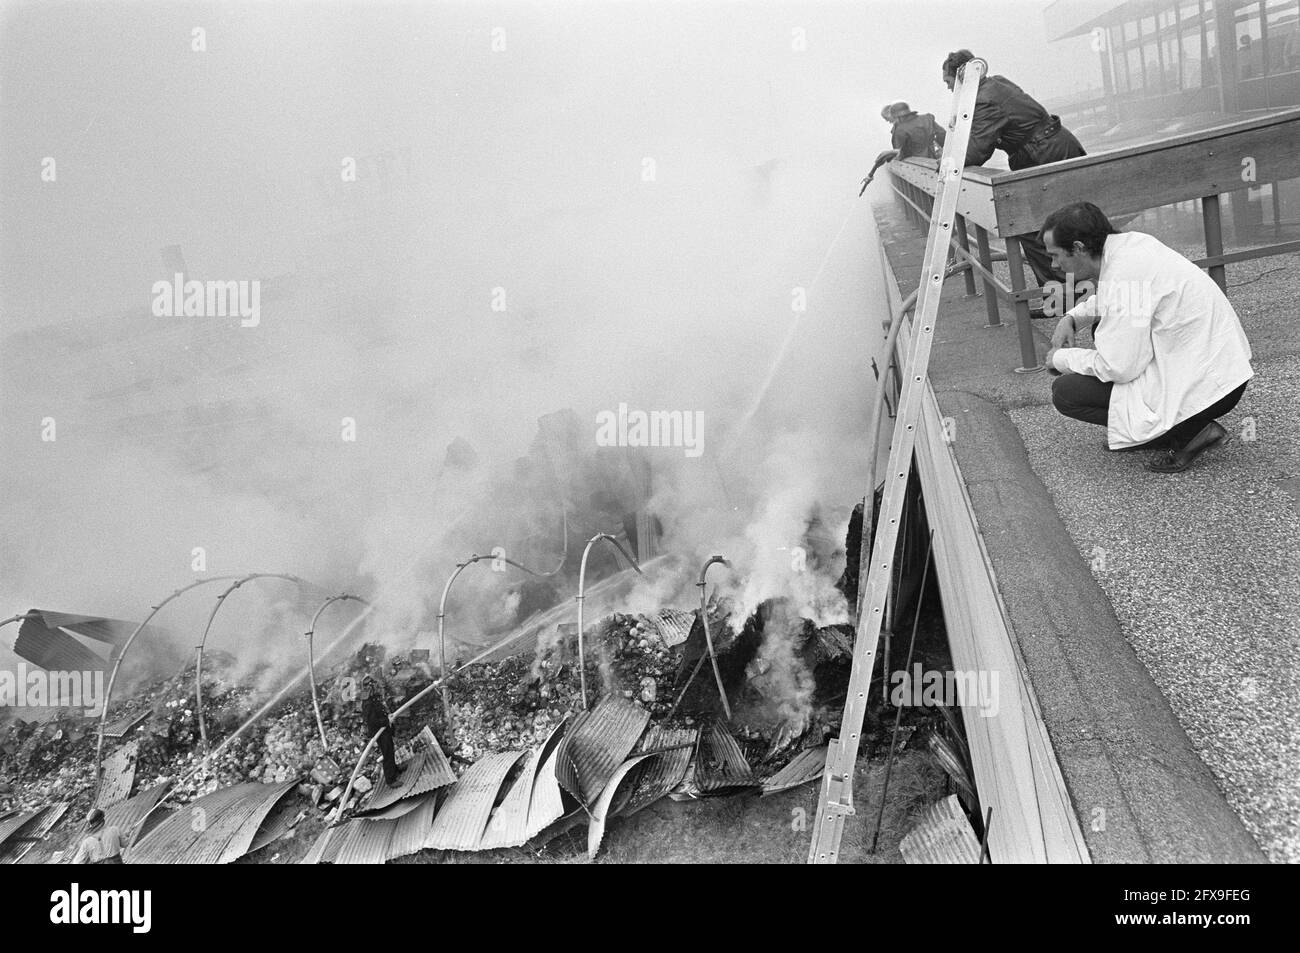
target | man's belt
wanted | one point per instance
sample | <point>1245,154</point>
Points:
<point>1045,131</point>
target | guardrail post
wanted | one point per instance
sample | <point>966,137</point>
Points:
<point>990,290</point>
<point>1214,239</point>
<point>963,242</point>
<point>1028,354</point>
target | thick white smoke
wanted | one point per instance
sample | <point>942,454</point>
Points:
<point>566,226</point>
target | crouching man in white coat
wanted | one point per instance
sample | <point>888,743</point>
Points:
<point>1170,356</point>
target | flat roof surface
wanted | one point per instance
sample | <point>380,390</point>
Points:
<point>1169,668</point>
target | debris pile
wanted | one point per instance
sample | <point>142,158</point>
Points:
<point>511,705</point>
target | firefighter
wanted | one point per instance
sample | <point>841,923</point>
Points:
<point>911,135</point>
<point>1007,118</point>
<point>101,845</point>
<point>374,712</point>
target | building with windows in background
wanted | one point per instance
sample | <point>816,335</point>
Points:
<point>1183,58</point>
<point>1167,67</point>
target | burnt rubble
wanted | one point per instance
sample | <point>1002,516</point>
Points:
<point>512,704</point>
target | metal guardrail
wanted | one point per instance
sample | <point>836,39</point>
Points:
<point>921,204</point>
<point>1200,165</point>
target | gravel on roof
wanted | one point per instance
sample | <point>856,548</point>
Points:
<point>1203,567</point>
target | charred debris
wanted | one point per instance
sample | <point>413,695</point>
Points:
<point>784,679</point>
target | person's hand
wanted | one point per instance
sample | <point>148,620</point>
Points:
<point>865,183</point>
<point>1063,336</point>
<point>1048,362</point>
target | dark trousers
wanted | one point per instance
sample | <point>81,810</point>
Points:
<point>1085,398</point>
<point>1055,148</point>
<point>1039,262</point>
<point>389,756</point>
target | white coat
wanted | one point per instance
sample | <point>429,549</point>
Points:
<point>1168,339</point>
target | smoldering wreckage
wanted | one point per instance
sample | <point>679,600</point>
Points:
<point>554,725</point>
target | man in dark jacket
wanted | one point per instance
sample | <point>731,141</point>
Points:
<point>375,714</point>
<point>1009,119</point>
<point>912,135</point>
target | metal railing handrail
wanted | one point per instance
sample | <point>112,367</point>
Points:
<point>582,585</point>
<point>442,610</point>
<point>198,659</point>
<point>311,658</point>
<point>117,664</point>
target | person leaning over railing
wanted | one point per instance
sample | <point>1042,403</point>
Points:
<point>1008,118</point>
<point>1170,355</point>
<point>912,134</point>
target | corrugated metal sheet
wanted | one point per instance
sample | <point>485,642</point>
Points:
<point>508,824</point>
<point>327,844</point>
<point>280,821</point>
<point>547,803</point>
<point>125,814</point>
<point>686,789</point>
<point>395,810</point>
<point>228,821</point>
<point>112,631</point>
<point>566,772</point>
<point>944,836</point>
<point>696,645</point>
<point>120,727</point>
<point>674,625</point>
<point>365,842</point>
<point>720,765</point>
<point>119,775</point>
<point>15,823</point>
<point>464,814</point>
<point>54,650</point>
<point>806,766</point>
<point>597,744</point>
<point>427,771</point>
<point>18,826</point>
<point>38,832</point>
<point>369,841</point>
<point>600,813</point>
<point>411,830</point>
<point>667,770</point>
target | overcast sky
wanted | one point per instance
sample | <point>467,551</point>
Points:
<point>220,151</point>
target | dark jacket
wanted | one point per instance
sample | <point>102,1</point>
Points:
<point>918,135</point>
<point>1009,119</point>
<point>374,713</point>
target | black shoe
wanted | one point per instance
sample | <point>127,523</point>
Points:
<point>1176,461</point>
<point>1159,443</point>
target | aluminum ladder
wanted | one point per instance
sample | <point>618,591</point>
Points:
<point>836,799</point>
